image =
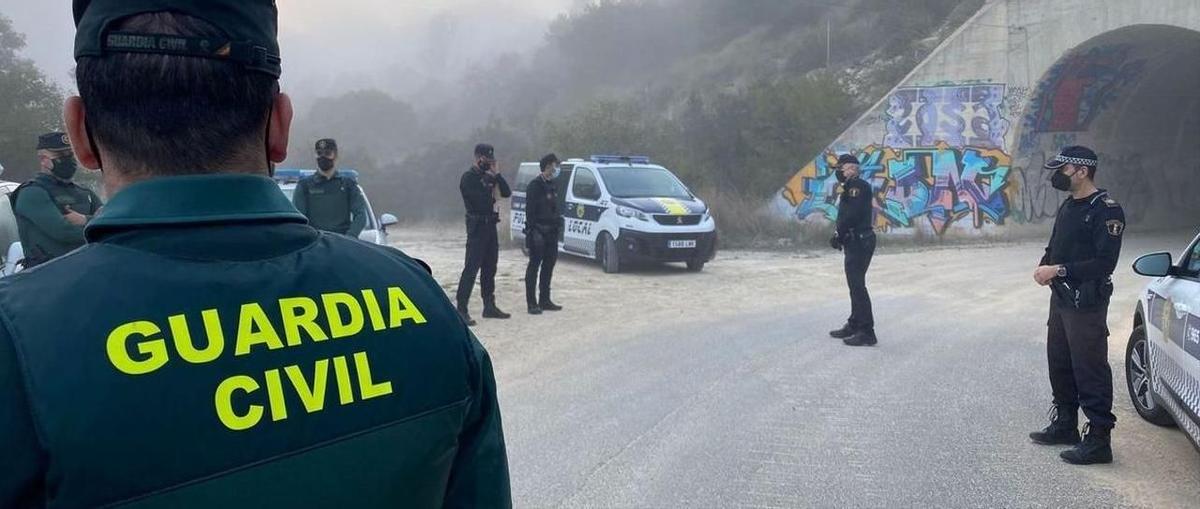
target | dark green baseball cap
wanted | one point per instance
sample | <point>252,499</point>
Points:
<point>251,29</point>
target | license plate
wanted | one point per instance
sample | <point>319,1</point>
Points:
<point>682,244</point>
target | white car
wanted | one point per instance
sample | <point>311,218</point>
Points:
<point>376,230</point>
<point>622,208</point>
<point>1162,360</point>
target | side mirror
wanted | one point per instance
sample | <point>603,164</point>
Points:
<point>1154,265</point>
<point>387,220</point>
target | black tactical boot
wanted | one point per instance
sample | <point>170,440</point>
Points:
<point>1095,449</point>
<point>1063,428</point>
<point>549,305</point>
<point>861,338</point>
<point>491,311</point>
<point>844,332</point>
<point>466,316</point>
<point>534,309</point>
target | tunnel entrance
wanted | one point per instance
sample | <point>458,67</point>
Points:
<point>1133,95</point>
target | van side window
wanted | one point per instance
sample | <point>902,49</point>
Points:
<point>585,185</point>
<point>525,174</point>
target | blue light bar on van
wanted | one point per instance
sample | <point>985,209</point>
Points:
<point>291,175</point>
<point>620,159</point>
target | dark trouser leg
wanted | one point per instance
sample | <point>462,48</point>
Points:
<point>1087,334</point>
<point>549,259</point>
<point>474,259</point>
<point>1058,355</point>
<point>491,256</point>
<point>858,259</point>
<point>534,242</point>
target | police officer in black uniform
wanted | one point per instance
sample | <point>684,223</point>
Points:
<point>480,186</point>
<point>331,200</point>
<point>856,237</point>
<point>1077,267</point>
<point>51,210</point>
<point>207,347</point>
<point>543,224</point>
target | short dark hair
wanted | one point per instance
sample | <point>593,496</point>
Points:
<point>174,115</point>
<point>548,160</point>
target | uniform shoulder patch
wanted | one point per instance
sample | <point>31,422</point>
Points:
<point>854,192</point>
<point>1115,227</point>
<point>1111,203</point>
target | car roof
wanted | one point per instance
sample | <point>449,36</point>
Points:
<point>286,175</point>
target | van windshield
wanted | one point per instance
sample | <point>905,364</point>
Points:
<point>643,182</point>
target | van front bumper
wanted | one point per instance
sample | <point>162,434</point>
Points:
<point>657,246</point>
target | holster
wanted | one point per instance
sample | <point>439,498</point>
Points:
<point>1085,295</point>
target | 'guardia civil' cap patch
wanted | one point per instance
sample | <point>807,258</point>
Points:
<point>250,28</point>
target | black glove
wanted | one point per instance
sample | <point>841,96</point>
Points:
<point>836,242</point>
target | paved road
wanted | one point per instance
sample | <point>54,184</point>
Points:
<point>723,390</point>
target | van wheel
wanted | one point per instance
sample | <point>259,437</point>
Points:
<point>610,256</point>
<point>1138,376</point>
<point>695,265</point>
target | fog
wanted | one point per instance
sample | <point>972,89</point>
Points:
<point>399,46</point>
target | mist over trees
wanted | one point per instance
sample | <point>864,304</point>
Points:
<point>732,95</point>
<point>30,105</point>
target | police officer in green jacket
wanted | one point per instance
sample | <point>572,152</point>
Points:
<point>208,347</point>
<point>332,201</point>
<point>51,210</point>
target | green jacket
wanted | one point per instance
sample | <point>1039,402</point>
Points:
<point>207,348</point>
<point>334,204</point>
<point>39,206</point>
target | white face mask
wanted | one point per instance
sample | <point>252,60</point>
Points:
<point>557,172</point>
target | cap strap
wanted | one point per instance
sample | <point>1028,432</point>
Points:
<point>249,55</point>
<point>1076,160</point>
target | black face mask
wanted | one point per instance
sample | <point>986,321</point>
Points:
<point>485,165</point>
<point>64,168</point>
<point>840,175</point>
<point>325,163</point>
<point>1060,181</point>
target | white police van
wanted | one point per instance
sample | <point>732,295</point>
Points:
<point>1162,359</point>
<point>618,209</point>
<point>374,232</point>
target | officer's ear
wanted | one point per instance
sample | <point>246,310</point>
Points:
<point>280,128</point>
<point>75,118</point>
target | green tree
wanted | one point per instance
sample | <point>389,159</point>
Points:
<point>30,105</point>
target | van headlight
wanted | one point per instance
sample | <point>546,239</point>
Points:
<point>630,212</point>
<point>707,216</point>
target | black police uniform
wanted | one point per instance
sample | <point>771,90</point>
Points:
<point>543,223</point>
<point>857,237</point>
<point>333,204</point>
<point>1087,242</point>
<point>239,365</point>
<point>478,190</point>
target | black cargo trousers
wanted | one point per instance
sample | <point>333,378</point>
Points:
<point>859,249</point>
<point>1077,352</point>
<point>483,253</point>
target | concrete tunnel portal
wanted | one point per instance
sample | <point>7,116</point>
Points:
<point>1132,94</point>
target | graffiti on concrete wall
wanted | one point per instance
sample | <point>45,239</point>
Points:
<point>941,164</point>
<point>960,115</point>
<point>939,185</point>
<point>1077,89</point>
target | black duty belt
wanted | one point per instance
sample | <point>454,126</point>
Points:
<point>483,216</point>
<point>860,234</point>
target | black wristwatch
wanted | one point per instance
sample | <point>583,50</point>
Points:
<point>1062,271</point>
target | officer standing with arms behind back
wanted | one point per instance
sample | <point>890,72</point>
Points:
<point>1078,265</point>
<point>543,223</point>
<point>856,237</point>
<point>207,347</point>
<point>480,186</point>
<point>333,202</point>
<point>51,210</point>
